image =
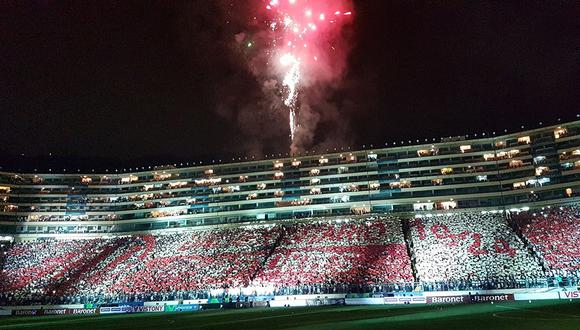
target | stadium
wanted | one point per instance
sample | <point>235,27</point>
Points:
<point>463,229</point>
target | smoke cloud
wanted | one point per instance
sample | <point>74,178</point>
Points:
<point>260,111</point>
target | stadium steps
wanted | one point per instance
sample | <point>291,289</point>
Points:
<point>270,253</point>
<point>83,268</point>
<point>516,229</point>
<point>409,244</point>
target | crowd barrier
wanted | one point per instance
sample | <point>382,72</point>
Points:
<point>450,297</point>
<point>55,311</point>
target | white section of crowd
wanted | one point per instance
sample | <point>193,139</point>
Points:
<point>470,246</point>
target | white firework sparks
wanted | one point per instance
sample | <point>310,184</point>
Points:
<point>302,31</point>
<point>290,82</point>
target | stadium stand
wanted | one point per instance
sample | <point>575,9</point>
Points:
<point>554,235</point>
<point>469,247</point>
<point>345,254</point>
<point>371,251</point>
<point>34,270</point>
<point>380,222</point>
<point>361,252</point>
<point>200,260</point>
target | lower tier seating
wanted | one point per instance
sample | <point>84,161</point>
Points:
<point>554,234</point>
<point>470,246</point>
<point>359,251</point>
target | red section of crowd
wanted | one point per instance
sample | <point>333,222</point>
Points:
<point>371,252</point>
<point>554,234</point>
<point>34,269</point>
<point>182,262</point>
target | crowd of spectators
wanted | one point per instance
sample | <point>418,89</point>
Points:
<point>554,235</point>
<point>366,252</point>
<point>185,262</point>
<point>355,254</point>
<point>310,256</point>
<point>34,270</point>
<point>470,247</point>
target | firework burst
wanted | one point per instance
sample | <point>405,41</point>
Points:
<point>301,45</point>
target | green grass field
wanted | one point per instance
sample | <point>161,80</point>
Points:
<point>506,315</point>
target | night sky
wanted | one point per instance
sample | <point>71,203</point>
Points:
<point>131,83</point>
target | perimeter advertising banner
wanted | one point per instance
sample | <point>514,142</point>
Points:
<point>404,300</point>
<point>570,295</point>
<point>325,302</point>
<point>115,310</point>
<point>182,308</point>
<point>467,299</point>
<point>84,311</point>
<point>55,311</point>
<point>27,312</point>
<point>491,297</point>
<point>131,309</point>
<point>60,311</point>
<point>148,309</point>
<point>131,303</point>
<point>448,300</point>
<point>89,311</point>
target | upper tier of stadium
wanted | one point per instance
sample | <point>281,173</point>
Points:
<point>525,169</point>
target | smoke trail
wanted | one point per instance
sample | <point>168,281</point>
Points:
<point>300,48</point>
